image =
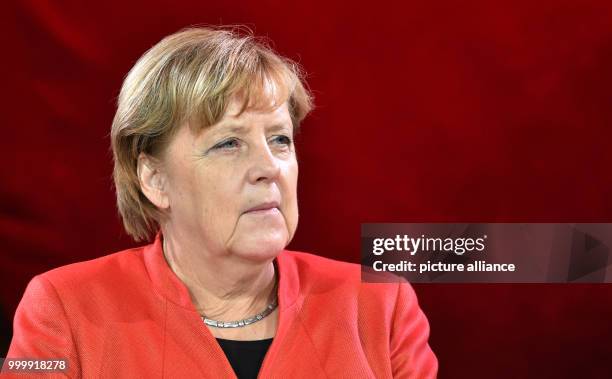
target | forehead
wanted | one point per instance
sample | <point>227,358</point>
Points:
<point>270,115</point>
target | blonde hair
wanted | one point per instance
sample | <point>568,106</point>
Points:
<point>191,76</point>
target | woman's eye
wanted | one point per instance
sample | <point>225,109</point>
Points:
<point>228,144</point>
<point>283,140</point>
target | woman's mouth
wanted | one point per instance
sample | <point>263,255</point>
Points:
<point>269,207</point>
<point>264,211</point>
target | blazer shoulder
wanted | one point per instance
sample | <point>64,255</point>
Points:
<point>315,272</point>
<point>106,269</point>
<point>310,265</point>
<point>339,285</point>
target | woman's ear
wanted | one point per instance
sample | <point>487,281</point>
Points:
<point>152,181</point>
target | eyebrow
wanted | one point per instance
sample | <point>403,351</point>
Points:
<point>243,129</point>
<point>236,128</point>
<point>277,127</point>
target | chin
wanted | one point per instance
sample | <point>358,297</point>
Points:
<point>260,247</point>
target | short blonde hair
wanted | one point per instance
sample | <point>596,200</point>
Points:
<point>191,76</point>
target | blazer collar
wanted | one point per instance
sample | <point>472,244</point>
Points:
<point>172,288</point>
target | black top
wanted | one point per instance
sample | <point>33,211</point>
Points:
<point>245,357</point>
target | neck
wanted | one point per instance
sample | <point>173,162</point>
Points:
<point>222,287</point>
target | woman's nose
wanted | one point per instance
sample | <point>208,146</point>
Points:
<point>264,166</point>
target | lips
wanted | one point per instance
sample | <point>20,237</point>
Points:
<point>266,206</point>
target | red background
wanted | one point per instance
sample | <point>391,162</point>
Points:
<point>426,111</point>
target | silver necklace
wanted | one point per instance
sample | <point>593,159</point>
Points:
<point>243,322</point>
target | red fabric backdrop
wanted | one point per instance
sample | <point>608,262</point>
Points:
<point>426,111</point>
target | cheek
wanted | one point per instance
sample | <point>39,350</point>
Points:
<point>291,197</point>
<point>207,201</point>
<point>217,200</point>
<point>182,193</point>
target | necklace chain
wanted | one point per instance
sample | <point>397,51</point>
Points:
<point>244,322</point>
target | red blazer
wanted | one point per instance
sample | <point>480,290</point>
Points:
<point>127,315</point>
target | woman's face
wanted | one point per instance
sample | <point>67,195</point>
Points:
<point>233,186</point>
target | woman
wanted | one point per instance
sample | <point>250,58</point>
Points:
<point>205,163</point>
